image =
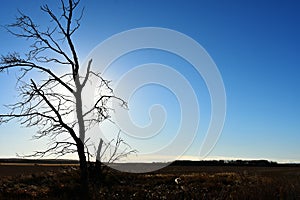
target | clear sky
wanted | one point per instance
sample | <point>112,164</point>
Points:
<point>255,44</point>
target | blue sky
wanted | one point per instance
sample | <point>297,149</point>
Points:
<point>255,44</point>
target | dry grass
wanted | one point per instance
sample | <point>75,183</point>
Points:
<point>195,183</point>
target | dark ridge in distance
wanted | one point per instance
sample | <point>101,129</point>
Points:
<point>38,161</point>
<point>257,163</point>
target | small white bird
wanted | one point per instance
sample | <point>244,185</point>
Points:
<point>178,181</point>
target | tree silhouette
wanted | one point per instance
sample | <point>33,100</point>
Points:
<point>49,101</point>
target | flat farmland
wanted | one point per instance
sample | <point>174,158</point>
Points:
<point>16,169</point>
<point>61,181</point>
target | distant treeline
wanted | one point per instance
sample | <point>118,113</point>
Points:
<point>258,163</point>
<point>38,161</point>
<point>262,163</point>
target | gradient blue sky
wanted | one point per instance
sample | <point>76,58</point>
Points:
<point>255,44</point>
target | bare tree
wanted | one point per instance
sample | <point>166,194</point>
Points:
<point>47,102</point>
<point>109,152</point>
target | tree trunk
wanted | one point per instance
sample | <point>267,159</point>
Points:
<point>98,157</point>
<point>98,169</point>
<point>84,179</point>
<point>84,193</point>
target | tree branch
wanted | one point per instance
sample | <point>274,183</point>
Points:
<point>12,61</point>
